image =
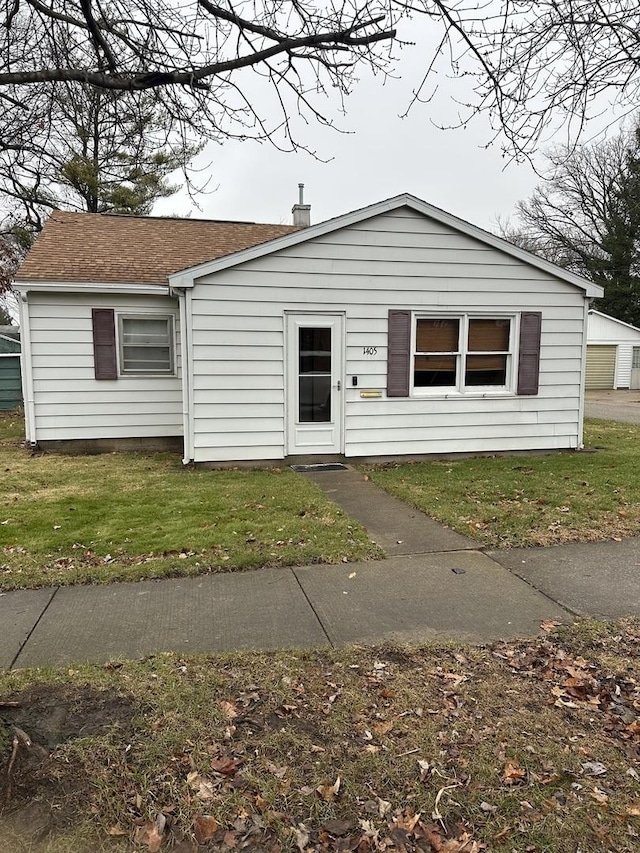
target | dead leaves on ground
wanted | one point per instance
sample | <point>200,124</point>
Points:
<point>576,683</point>
<point>280,774</point>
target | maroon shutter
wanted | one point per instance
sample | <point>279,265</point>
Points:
<point>104,343</point>
<point>529,352</point>
<point>398,353</point>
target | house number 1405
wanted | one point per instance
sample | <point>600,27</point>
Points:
<point>369,350</point>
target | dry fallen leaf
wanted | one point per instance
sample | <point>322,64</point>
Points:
<point>204,788</point>
<point>425,769</point>
<point>594,768</point>
<point>329,792</point>
<point>302,837</point>
<point>512,773</point>
<point>150,834</point>
<point>230,838</point>
<point>225,765</point>
<point>229,709</point>
<point>204,827</point>
<point>384,806</point>
<point>599,796</point>
<point>338,827</point>
<point>278,772</point>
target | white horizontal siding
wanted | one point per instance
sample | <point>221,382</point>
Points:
<point>48,396</point>
<point>236,385</point>
<point>481,444</point>
<point>396,260</point>
<point>208,451</point>
<point>237,286</point>
<point>624,359</point>
<point>69,402</point>
<point>606,330</point>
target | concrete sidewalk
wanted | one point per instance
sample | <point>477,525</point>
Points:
<point>435,583</point>
<point>460,594</point>
<point>589,578</point>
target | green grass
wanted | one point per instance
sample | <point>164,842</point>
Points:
<point>525,746</point>
<point>509,501</point>
<point>82,519</point>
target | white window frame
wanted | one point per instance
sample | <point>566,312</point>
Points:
<point>459,388</point>
<point>171,343</point>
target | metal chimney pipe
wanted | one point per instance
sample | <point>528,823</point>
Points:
<point>301,211</point>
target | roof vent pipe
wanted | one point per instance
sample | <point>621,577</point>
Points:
<point>301,211</point>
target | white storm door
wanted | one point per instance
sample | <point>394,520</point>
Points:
<point>314,383</point>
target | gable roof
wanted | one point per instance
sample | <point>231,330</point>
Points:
<point>86,247</point>
<point>613,319</point>
<point>114,249</point>
<point>186,277</point>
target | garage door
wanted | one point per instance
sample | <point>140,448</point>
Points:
<point>601,366</point>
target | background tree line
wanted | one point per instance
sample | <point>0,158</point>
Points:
<point>585,217</point>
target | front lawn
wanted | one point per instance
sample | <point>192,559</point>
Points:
<point>510,501</point>
<point>128,516</point>
<point>522,746</point>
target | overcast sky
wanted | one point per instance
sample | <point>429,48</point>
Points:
<point>382,155</point>
<point>379,155</point>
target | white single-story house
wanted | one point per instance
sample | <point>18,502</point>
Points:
<point>613,353</point>
<point>397,330</point>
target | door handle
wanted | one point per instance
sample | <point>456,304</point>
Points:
<point>339,385</point>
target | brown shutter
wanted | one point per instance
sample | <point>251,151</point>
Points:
<point>104,343</point>
<point>529,352</point>
<point>398,353</point>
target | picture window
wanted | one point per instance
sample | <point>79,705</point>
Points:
<point>462,353</point>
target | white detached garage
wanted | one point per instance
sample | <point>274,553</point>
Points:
<point>613,353</point>
<point>396,330</point>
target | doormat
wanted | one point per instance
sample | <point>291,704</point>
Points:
<point>320,466</point>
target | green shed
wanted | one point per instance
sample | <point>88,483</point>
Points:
<point>10,379</point>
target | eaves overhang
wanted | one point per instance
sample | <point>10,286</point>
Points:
<point>24,286</point>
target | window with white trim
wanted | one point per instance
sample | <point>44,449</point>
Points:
<point>146,344</point>
<point>463,353</point>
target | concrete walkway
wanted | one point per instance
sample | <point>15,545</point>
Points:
<point>435,584</point>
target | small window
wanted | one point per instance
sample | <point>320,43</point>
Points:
<point>462,353</point>
<point>146,344</point>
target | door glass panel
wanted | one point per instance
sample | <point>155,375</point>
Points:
<point>314,375</point>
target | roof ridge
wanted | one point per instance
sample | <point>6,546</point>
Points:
<point>156,218</point>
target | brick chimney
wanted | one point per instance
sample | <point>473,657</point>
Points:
<point>301,211</point>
